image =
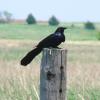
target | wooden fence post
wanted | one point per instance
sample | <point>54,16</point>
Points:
<point>53,74</point>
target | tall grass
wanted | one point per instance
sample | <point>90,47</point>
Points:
<point>22,83</point>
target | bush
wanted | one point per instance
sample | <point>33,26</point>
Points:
<point>98,36</point>
<point>2,21</point>
<point>72,26</point>
<point>31,19</point>
<point>89,25</point>
<point>53,21</point>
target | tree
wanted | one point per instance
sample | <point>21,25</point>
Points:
<point>8,16</point>
<point>2,20</point>
<point>53,21</point>
<point>89,25</point>
<point>31,19</point>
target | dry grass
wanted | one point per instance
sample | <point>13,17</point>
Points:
<point>83,71</point>
<point>83,64</point>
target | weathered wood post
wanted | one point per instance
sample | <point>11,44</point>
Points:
<point>53,75</point>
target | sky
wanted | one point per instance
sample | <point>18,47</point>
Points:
<point>64,10</point>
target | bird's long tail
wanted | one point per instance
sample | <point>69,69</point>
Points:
<point>30,56</point>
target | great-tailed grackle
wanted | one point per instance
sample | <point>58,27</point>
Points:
<point>52,40</point>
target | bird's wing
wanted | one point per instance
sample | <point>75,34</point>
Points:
<point>48,41</point>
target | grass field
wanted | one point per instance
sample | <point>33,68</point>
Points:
<point>39,31</point>
<point>83,60</point>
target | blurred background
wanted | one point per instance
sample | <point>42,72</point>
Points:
<point>23,23</point>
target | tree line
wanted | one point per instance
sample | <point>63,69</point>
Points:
<point>54,21</point>
<point>6,17</point>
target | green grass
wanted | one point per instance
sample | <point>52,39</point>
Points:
<point>39,31</point>
<point>24,31</point>
<point>87,94</point>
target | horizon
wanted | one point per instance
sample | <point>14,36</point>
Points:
<point>45,21</point>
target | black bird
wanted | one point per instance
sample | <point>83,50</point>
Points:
<point>52,40</point>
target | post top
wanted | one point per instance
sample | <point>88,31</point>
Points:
<point>55,49</point>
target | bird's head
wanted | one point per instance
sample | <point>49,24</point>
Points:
<point>60,29</point>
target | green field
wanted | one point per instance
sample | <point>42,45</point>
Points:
<point>39,31</point>
<point>83,60</point>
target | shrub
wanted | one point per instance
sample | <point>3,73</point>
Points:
<point>98,36</point>
<point>53,21</point>
<point>31,19</point>
<point>89,25</point>
<point>72,26</point>
<point>2,21</point>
